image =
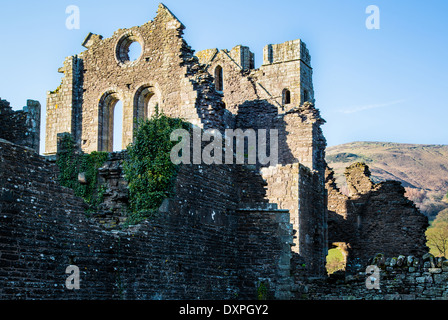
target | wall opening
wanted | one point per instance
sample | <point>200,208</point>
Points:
<point>286,96</point>
<point>134,51</point>
<point>106,121</point>
<point>117,125</point>
<point>146,102</point>
<point>219,85</point>
<point>337,258</point>
<point>128,49</point>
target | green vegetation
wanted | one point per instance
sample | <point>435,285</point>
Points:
<point>437,235</point>
<point>148,168</point>
<point>71,163</point>
<point>335,261</point>
<point>262,291</point>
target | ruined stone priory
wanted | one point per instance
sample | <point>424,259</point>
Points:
<point>231,231</point>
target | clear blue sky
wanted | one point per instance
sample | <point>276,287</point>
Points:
<point>389,84</point>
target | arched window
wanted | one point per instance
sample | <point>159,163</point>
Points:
<point>286,97</point>
<point>109,122</point>
<point>146,102</point>
<point>219,85</point>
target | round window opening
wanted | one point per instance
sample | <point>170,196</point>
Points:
<point>129,49</point>
<point>135,51</point>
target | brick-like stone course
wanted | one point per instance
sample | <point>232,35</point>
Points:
<point>195,249</point>
<point>401,278</point>
<point>221,235</point>
<point>375,217</point>
<point>22,126</point>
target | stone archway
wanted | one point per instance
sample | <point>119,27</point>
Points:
<point>146,103</point>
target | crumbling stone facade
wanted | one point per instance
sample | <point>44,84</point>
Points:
<point>400,277</point>
<point>229,228</point>
<point>374,218</point>
<point>166,74</point>
<point>183,253</point>
<point>213,89</point>
<point>21,127</point>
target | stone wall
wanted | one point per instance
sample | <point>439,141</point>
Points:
<point>374,218</point>
<point>166,76</point>
<point>401,278</point>
<point>194,249</point>
<point>23,126</point>
<point>286,66</point>
<point>64,104</point>
<point>295,188</point>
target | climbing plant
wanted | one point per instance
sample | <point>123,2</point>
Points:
<point>72,162</point>
<point>148,168</point>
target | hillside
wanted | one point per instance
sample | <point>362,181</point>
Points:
<point>422,169</point>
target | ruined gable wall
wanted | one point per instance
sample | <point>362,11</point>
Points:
<point>158,68</point>
<point>375,218</point>
<point>63,105</point>
<point>165,75</point>
<point>238,87</point>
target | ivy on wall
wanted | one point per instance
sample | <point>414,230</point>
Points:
<point>148,168</point>
<point>72,162</point>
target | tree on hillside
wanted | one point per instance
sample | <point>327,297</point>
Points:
<point>437,236</point>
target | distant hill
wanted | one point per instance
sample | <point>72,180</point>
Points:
<point>422,169</point>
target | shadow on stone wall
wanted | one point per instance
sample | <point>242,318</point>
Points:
<point>374,218</point>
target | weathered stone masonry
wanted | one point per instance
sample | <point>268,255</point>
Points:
<point>23,126</point>
<point>184,253</point>
<point>374,218</point>
<point>229,229</point>
<point>212,89</point>
<point>98,78</point>
<point>400,278</point>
